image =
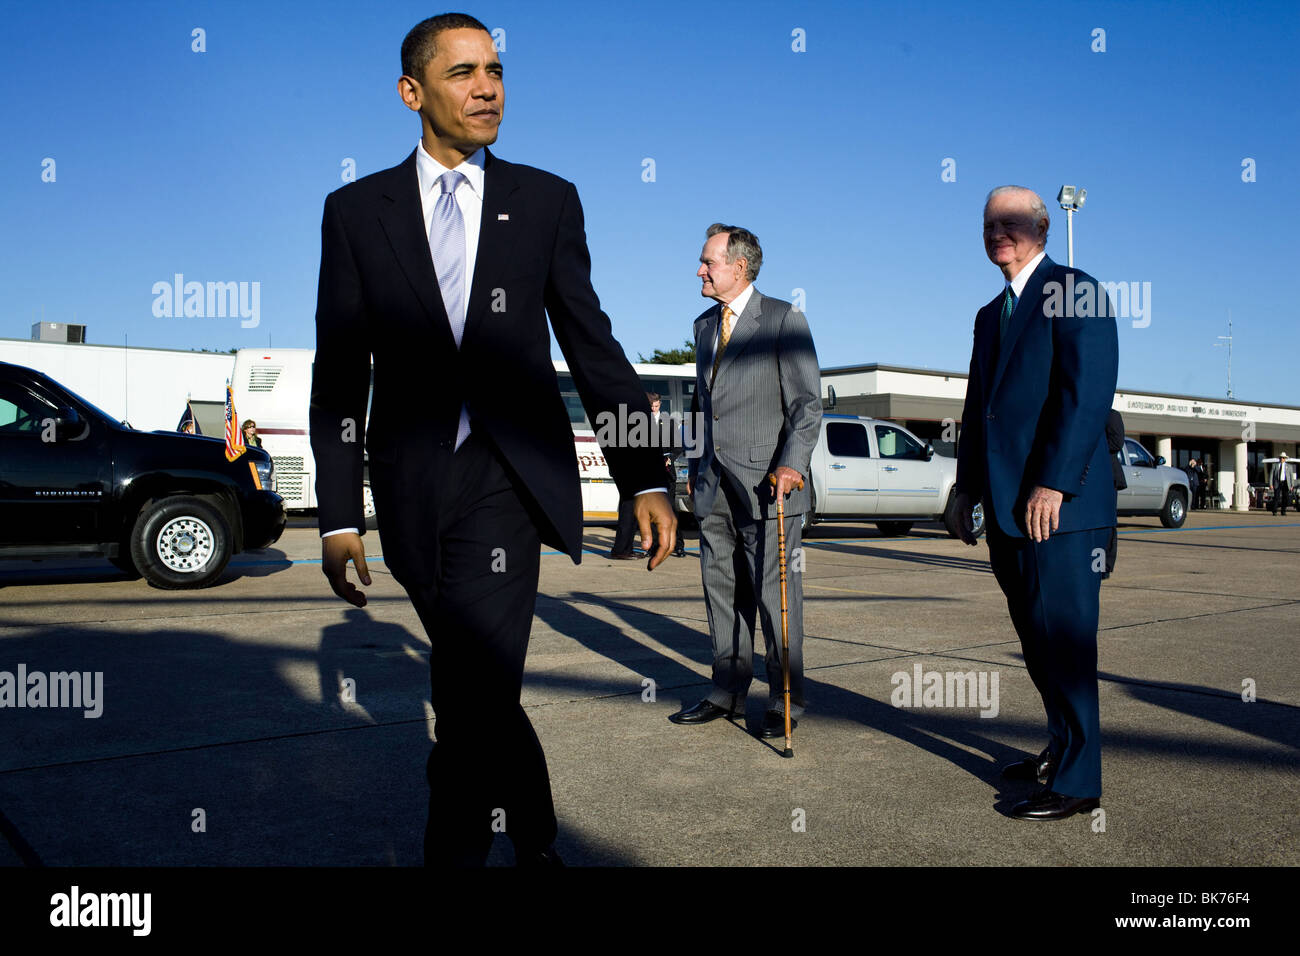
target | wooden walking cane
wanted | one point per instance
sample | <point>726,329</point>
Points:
<point>785,622</point>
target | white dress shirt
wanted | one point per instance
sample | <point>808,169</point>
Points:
<point>1022,277</point>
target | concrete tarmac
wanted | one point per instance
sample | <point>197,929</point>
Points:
<point>264,721</point>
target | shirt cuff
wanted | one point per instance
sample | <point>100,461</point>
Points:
<point>326,534</point>
<point>660,489</point>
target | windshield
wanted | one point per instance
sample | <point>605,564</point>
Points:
<point>90,406</point>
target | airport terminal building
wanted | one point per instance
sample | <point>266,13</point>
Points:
<point>1231,437</point>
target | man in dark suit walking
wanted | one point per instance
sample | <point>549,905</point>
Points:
<point>444,269</point>
<point>758,395</point>
<point>1281,486</point>
<point>1033,450</point>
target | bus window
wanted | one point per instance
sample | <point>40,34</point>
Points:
<point>662,388</point>
<point>572,401</point>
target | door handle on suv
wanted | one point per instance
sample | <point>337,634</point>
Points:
<point>890,468</point>
<point>837,466</point>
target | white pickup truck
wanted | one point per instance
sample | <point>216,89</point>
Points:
<point>873,470</point>
<point>865,469</point>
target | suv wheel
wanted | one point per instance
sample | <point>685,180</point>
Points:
<point>180,543</point>
<point>809,517</point>
<point>1174,513</point>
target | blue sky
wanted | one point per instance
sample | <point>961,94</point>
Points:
<point>215,164</point>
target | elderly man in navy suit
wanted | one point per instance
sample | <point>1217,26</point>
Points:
<point>1033,450</point>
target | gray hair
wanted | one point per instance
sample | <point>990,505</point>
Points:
<point>741,244</point>
<point>1036,205</point>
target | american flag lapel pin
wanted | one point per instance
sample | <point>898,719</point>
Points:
<point>503,217</point>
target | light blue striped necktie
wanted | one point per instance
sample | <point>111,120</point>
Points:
<point>447,245</point>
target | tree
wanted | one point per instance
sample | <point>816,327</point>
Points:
<point>682,356</point>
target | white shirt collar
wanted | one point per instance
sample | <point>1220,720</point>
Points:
<point>1022,277</point>
<point>737,305</point>
<point>430,170</point>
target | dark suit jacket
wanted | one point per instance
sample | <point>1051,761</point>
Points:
<point>1036,407</point>
<point>379,296</point>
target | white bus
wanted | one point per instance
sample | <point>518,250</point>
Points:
<point>273,387</point>
<point>675,386</point>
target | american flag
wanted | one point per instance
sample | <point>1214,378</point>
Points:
<point>234,440</point>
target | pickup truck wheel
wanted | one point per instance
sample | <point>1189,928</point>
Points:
<point>180,543</point>
<point>809,517</point>
<point>894,529</point>
<point>368,506</point>
<point>1174,513</point>
<point>950,516</point>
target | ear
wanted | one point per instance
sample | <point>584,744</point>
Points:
<point>410,92</point>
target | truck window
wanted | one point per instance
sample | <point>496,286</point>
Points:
<point>896,443</point>
<point>847,440</point>
<point>20,411</point>
<point>1138,455</point>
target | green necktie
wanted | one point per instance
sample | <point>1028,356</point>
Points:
<point>1008,306</point>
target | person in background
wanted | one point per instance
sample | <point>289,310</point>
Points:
<point>250,434</point>
<point>669,439</point>
<point>1194,483</point>
<point>1281,486</point>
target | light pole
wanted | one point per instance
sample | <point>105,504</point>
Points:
<point>1225,341</point>
<point>1070,200</point>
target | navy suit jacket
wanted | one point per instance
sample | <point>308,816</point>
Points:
<point>1036,407</point>
<point>379,296</point>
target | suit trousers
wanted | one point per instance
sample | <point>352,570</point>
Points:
<point>1053,593</point>
<point>1281,498</point>
<point>487,772</point>
<point>738,561</point>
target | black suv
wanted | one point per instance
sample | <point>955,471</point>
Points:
<point>169,506</point>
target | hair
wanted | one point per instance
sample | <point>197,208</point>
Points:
<point>652,397</point>
<point>741,244</point>
<point>247,422</point>
<point>1036,205</point>
<point>420,45</point>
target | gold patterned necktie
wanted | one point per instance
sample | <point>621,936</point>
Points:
<point>724,336</point>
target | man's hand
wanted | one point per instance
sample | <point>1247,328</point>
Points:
<point>1043,512</point>
<point>654,508</point>
<point>965,529</point>
<point>336,551</point>
<point>786,480</point>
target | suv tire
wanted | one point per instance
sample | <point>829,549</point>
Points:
<point>179,543</point>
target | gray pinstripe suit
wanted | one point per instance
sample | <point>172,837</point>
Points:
<point>762,411</point>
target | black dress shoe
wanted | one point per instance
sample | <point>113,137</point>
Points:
<point>547,857</point>
<point>679,553</point>
<point>701,713</point>
<point>774,724</point>
<point>1049,805</point>
<point>1032,768</point>
<point>624,555</point>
